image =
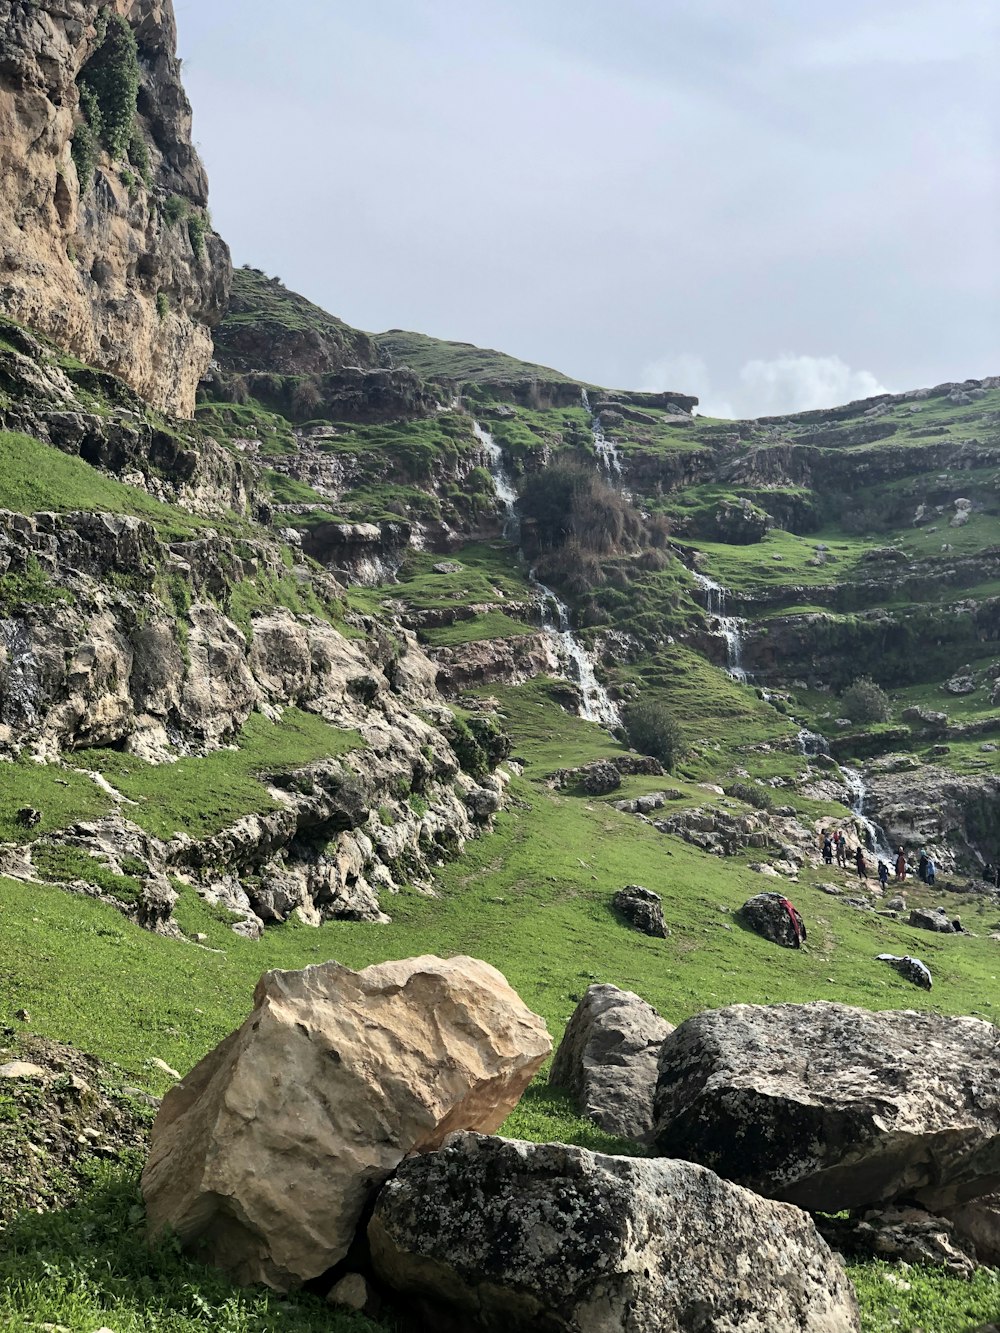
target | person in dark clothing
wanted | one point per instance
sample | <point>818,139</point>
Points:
<point>883,874</point>
<point>828,850</point>
<point>922,865</point>
<point>901,865</point>
<point>930,872</point>
<point>859,858</point>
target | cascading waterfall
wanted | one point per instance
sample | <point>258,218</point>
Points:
<point>503,482</point>
<point>596,704</point>
<point>607,450</point>
<point>730,627</point>
<point>811,743</point>
<point>878,843</point>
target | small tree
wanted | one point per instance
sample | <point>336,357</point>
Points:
<point>865,701</point>
<point>652,730</point>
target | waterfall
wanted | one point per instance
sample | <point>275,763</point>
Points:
<point>596,704</point>
<point>874,836</point>
<point>607,450</point>
<point>730,627</point>
<point>503,482</point>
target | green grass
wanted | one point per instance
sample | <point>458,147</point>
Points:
<point>200,796</point>
<point>66,864</point>
<point>36,477</point>
<point>61,795</point>
<point>493,625</point>
<point>88,1266</point>
<point>437,358</point>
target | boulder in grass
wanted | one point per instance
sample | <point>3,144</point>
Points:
<point>643,909</point>
<point>910,969</point>
<point>493,1234</point>
<point>607,1060</point>
<point>264,1158</point>
<point>774,917</point>
<point>833,1107</point>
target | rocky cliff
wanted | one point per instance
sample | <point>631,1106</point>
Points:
<point>105,240</point>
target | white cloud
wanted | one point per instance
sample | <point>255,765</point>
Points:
<point>784,384</point>
<point>797,383</point>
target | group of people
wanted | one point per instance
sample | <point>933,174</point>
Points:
<point>835,846</point>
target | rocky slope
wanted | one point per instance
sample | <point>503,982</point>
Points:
<point>105,241</point>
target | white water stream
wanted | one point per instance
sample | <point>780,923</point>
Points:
<point>596,705</point>
<point>503,482</point>
<point>607,450</point>
<point>878,843</point>
<point>730,627</point>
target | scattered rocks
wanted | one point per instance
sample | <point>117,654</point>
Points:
<point>962,682</point>
<point>775,918</point>
<point>899,1235</point>
<point>29,817</point>
<point>491,1233</point>
<point>267,1153</point>
<point>643,909</point>
<point>448,567</point>
<point>600,778</point>
<point>607,1060</point>
<point>848,1108</point>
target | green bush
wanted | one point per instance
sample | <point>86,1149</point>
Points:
<point>175,209</point>
<point>759,797</point>
<point>865,701</point>
<point>138,155</point>
<point>163,304</point>
<point>652,730</point>
<point>199,226</point>
<point>111,77</point>
<point>83,147</point>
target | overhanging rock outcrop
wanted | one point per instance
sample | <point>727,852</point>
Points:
<point>832,1107</point>
<point>266,1154</point>
<point>495,1234</point>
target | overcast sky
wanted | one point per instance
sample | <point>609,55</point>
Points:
<point>774,205</point>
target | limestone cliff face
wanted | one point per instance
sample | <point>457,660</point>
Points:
<point>109,253</point>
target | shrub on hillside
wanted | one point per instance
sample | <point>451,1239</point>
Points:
<point>865,701</point>
<point>652,730</point>
<point>759,797</point>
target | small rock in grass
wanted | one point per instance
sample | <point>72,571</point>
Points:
<point>22,1069</point>
<point>163,1067</point>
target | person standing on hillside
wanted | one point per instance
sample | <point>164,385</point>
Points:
<point>930,872</point>
<point>901,865</point>
<point>859,858</point>
<point>841,844</point>
<point>883,874</point>
<point>922,865</point>
<point>827,850</point>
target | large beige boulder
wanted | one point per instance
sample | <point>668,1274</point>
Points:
<point>268,1151</point>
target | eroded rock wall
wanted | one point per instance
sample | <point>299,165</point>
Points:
<point>122,270</point>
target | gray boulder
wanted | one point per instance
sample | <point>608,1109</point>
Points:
<point>899,1235</point>
<point>607,1060</point>
<point>833,1107</point>
<point>931,918</point>
<point>643,909</point>
<point>768,914</point>
<point>910,969</point>
<point>504,1236</point>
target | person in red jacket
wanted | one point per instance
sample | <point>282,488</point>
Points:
<point>901,865</point>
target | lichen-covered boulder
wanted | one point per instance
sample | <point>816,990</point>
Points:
<point>643,909</point>
<point>505,1236</point>
<point>607,1060</point>
<point>833,1107</point>
<point>267,1153</point>
<point>932,918</point>
<point>775,918</point>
